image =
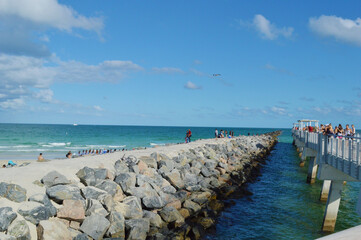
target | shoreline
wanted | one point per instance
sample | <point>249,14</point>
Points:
<point>242,154</point>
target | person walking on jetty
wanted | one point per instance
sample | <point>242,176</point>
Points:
<point>188,136</point>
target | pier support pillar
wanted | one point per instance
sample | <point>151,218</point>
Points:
<point>333,202</point>
<point>325,190</point>
<point>312,170</point>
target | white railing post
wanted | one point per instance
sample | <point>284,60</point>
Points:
<point>358,153</point>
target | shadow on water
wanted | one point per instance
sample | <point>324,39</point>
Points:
<point>283,205</point>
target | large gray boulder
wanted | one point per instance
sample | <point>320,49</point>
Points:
<point>171,214</point>
<point>54,178</point>
<point>192,206</point>
<point>137,228</point>
<point>43,199</point>
<point>19,229</point>
<point>91,176</point>
<point>12,192</point>
<point>6,217</point>
<point>95,226</point>
<point>72,210</point>
<point>121,167</point>
<point>91,192</point>
<point>154,219</point>
<point>59,193</point>
<point>175,179</point>
<point>130,208</point>
<point>126,180</point>
<point>151,162</point>
<point>4,236</point>
<point>108,186</point>
<point>117,226</point>
<point>95,207</point>
<point>53,230</point>
<point>34,212</point>
<point>152,202</point>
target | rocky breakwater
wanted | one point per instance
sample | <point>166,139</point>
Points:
<point>146,197</point>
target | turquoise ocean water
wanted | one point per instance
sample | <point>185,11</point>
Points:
<point>283,205</point>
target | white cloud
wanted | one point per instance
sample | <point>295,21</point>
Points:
<point>23,77</point>
<point>278,110</point>
<point>23,25</point>
<point>167,70</point>
<point>267,29</point>
<point>12,103</point>
<point>190,85</point>
<point>197,62</point>
<point>342,29</point>
<point>50,13</point>
<point>44,95</point>
<point>98,108</point>
<point>276,69</point>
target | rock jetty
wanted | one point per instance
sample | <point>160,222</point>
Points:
<point>154,196</point>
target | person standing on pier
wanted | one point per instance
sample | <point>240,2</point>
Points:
<point>216,133</point>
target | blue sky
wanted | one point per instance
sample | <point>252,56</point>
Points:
<point>152,62</point>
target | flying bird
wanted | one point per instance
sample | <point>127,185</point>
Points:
<point>216,74</point>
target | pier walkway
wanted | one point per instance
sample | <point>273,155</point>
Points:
<point>333,159</point>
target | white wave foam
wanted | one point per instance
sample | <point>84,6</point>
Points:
<point>120,146</point>
<point>157,144</point>
<point>55,144</point>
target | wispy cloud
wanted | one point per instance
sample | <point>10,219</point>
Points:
<point>192,86</point>
<point>276,69</point>
<point>266,29</point>
<point>307,99</point>
<point>197,62</point>
<point>342,29</point>
<point>167,70</point>
<point>29,78</point>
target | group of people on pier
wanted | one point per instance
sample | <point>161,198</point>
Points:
<point>329,130</point>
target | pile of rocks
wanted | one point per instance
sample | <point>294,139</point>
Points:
<point>150,197</point>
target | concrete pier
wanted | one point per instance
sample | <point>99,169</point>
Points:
<point>325,190</point>
<point>312,170</point>
<point>332,205</point>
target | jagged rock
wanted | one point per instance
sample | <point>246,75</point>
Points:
<point>117,226</point>
<point>137,228</point>
<point>169,189</point>
<point>151,162</point>
<point>192,206</point>
<point>200,197</point>
<point>175,179</point>
<point>121,167</point>
<point>170,214</point>
<point>19,229</point>
<point>72,210</point>
<point>44,199</point>
<point>145,191</point>
<point>53,230</point>
<point>34,212</point>
<point>130,208</point>
<point>159,156</point>
<point>95,226</point>
<point>184,212</point>
<point>131,160</point>
<point>95,207</point>
<point>108,186</point>
<point>108,202</point>
<point>206,222</point>
<point>177,204</point>
<point>191,182</point>
<point>169,164</point>
<point>91,192</point>
<point>82,236</point>
<point>4,236</point>
<point>154,219</point>
<point>6,217</point>
<point>210,164</point>
<point>152,202</point>
<point>126,180</point>
<point>59,193</point>
<point>91,176</point>
<point>54,178</point>
<point>181,195</point>
<point>74,225</point>
<point>12,192</point>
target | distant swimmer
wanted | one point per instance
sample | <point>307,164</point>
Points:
<point>40,158</point>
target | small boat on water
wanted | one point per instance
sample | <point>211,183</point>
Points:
<point>75,124</point>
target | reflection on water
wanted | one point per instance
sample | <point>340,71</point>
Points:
<point>283,205</point>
